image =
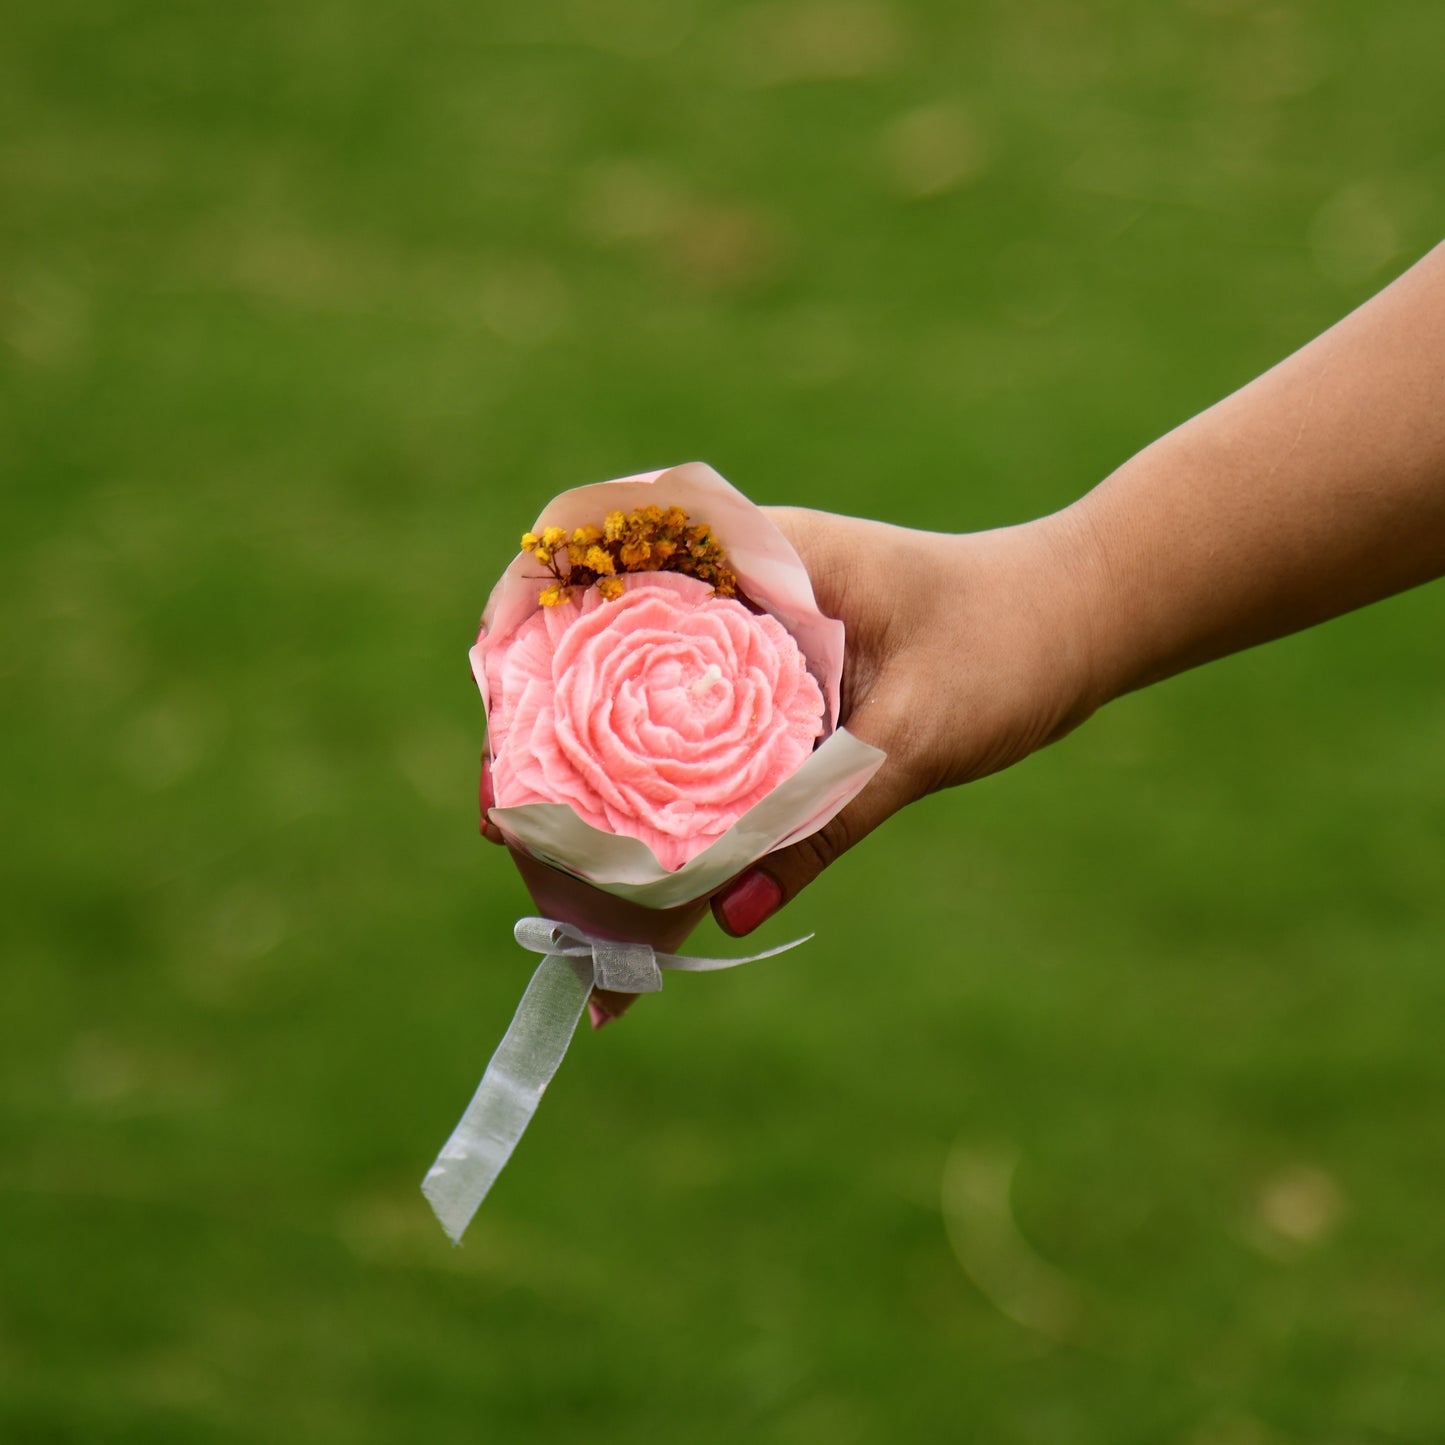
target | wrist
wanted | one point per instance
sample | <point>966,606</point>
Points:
<point>1069,602</point>
<point>1083,563</point>
<point>1020,667</point>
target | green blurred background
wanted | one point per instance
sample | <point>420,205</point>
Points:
<point>1108,1104</point>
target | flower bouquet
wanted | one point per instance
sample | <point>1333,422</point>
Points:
<point>662,700</point>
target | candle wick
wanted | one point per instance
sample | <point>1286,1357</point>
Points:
<point>707,681</point>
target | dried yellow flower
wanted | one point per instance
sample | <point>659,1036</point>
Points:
<point>649,539</point>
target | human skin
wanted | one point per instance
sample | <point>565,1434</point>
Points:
<point>1317,488</point>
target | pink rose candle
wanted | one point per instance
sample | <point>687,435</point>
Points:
<point>662,715</point>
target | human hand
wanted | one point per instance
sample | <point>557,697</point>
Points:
<point>965,654</point>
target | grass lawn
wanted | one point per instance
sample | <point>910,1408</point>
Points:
<point>1108,1105</point>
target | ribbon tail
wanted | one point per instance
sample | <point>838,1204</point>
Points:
<point>512,1087</point>
<point>686,963</point>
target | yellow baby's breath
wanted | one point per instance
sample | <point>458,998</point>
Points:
<point>649,539</point>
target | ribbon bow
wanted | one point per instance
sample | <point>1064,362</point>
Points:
<point>573,964</point>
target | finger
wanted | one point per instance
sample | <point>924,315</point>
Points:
<point>819,540</point>
<point>777,879</point>
<point>487,800</point>
<point>604,1006</point>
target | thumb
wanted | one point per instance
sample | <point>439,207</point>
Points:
<point>756,894</point>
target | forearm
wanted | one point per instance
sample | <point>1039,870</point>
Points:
<point>1315,489</point>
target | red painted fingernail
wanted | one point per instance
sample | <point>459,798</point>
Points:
<point>755,897</point>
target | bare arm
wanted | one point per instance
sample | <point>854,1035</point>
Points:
<point>1315,489</point>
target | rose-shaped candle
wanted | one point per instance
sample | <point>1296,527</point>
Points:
<point>652,735</point>
<point>663,714</point>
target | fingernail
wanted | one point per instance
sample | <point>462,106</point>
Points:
<point>599,1016</point>
<point>756,896</point>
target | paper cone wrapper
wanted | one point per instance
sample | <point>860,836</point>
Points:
<point>773,577</point>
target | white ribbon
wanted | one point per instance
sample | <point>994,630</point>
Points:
<point>573,964</point>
